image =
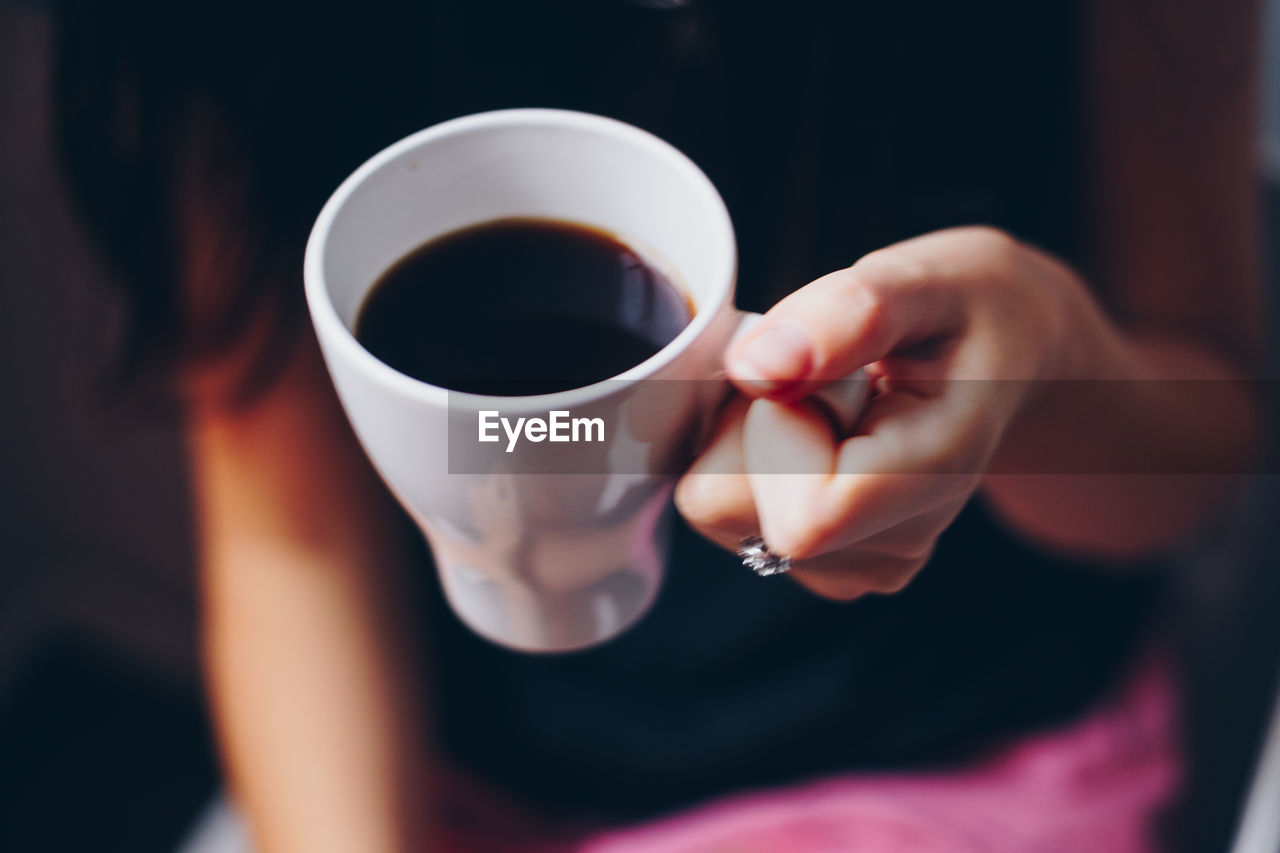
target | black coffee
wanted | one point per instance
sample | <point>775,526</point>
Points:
<point>520,306</point>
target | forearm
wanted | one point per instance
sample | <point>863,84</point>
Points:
<point>307,635</point>
<point>1131,446</point>
<point>1146,460</point>
<point>314,710</point>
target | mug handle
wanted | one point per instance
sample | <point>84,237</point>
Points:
<point>844,399</point>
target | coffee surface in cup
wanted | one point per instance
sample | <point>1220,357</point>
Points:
<point>520,306</point>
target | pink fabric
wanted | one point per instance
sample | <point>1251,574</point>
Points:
<point>1094,785</point>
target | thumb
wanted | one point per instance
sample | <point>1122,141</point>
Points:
<point>843,321</point>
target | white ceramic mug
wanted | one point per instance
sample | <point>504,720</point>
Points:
<point>533,560</point>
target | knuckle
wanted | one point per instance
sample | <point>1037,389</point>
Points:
<point>900,457</point>
<point>891,575</point>
<point>868,286</point>
<point>860,500</point>
<point>993,238</point>
<point>996,246</point>
<point>873,314</point>
<point>889,267</point>
<point>860,493</point>
<point>894,583</point>
<point>835,587</point>
<point>913,554</point>
<point>713,501</point>
<point>933,461</point>
<point>844,594</point>
<point>799,535</point>
<point>857,577</point>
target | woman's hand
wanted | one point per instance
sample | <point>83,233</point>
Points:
<point>937,321</point>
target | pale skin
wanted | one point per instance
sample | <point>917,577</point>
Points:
<point>307,638</point>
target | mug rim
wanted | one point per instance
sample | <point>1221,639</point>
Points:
<point>330,326</point>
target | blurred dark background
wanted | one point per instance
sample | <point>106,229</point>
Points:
<point>104,743</point>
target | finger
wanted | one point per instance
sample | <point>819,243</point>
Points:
<point>883,564</point>
<point>895,297</point>
<point>851,574</point>
<point>714,495</point>
<point>791,455</point>
<point>813,496</point>
<point>915,538</point>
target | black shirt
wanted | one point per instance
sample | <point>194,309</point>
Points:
<point>831,129</point>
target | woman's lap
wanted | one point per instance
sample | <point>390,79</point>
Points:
<point>1097,783</point>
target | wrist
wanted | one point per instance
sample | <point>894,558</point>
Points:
<point>1080,342</point>
<point>1073,341</point>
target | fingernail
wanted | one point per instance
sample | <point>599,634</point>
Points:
<point>776,357</point>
